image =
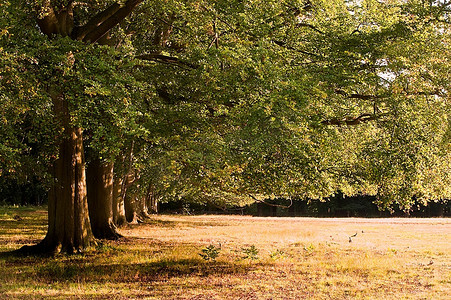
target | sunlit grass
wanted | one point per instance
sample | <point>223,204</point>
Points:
<point>258,258</point>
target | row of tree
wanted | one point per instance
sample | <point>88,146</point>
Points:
<point>14,193</point>
<point>224,102</point>
<point>336,206</point>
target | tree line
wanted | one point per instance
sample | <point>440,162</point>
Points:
<point>23,194</point>
<point>111,107</point>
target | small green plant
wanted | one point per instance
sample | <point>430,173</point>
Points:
<point>277,254</point>
<point>250,253</point>
<point>210,253</point>
<point>308,250</point>
<point>392,251</point>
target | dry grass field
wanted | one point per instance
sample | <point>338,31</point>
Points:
<point>174,257</point>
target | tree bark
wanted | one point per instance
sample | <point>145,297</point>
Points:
<point>143,209</point>
<point>118,203</point>
<point>152,200</point>
<point>69,227</point>
<point>108,19</point>
<point>131,211</point>
<point>100,199</point>
<point>136,206</point>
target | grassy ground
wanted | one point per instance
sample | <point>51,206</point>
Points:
<point>258,258</point>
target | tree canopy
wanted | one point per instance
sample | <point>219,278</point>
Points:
<point>224,101</point>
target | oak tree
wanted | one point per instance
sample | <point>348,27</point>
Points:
<point>224,102</point>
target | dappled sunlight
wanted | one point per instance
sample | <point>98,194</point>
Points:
<point>376,234</point>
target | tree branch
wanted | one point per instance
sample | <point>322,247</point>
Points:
<point>82,31</point>
<point>166,59</point>
<point>309,26</point>
<point>49,22</point>
<point>270,204</point>
<point>363,118</point>
<point>56,22</point>
<point>108,20</point>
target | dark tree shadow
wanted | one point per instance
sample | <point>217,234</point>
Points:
<point>83,267</point>
<point>142,272</point>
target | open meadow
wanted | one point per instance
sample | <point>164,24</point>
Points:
<point>235,257</point>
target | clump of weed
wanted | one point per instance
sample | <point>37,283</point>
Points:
<point>210,253</point>
<point>392,251</point>
<point>250,252</point>
<point>308,250</point>
<point>278,254</point>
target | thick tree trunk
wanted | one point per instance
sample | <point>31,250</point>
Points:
<point>153,205</point>
<point>131,211</point>
<point>136,209</point>
<point>100,199</point>
<point>118,203</point>
<point>132,202</point>
<point>152,200</point>
<point>69,227</point>
<point>143,210</point>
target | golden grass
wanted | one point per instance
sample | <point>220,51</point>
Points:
<point>298,258</point>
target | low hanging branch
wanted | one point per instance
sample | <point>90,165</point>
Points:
<point>167,59</point>
<point>271,204</point>
<point>363,118</point>
<point>351,121</point>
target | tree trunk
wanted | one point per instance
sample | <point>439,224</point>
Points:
<point>118,203</point>
<point>69,227</point>
<point>152,200</point>
<point>131,211</point>
<point>100,199</point>
<point>136,206</point>
<point>143,210</point>
<point>153,205</point>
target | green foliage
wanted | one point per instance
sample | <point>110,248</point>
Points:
<point>278,254</point>
<point>217,100</point>
<point>250,252</point>
<point>210,253</point>
<point>309,250</point>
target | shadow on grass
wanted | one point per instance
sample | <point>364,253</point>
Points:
<point>142,272</point>
<point>123,261</point>
<point>93,266</point>
<point>21,225</point>
<point>79,270</point>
